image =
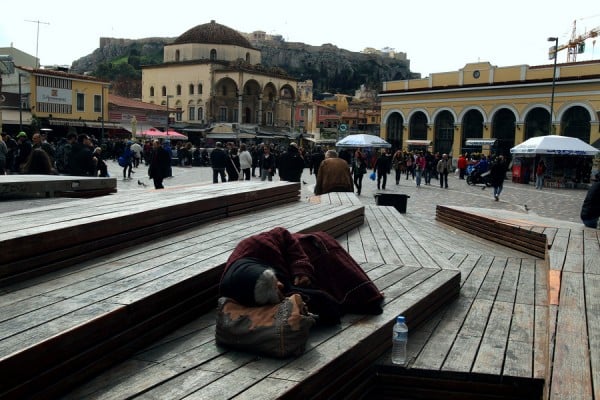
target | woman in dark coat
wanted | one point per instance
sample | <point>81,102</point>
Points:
<point>265,267</point>
<point>160,164</point>
<point>497,174</point>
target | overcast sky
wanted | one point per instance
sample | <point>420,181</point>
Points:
<point>437,35</point>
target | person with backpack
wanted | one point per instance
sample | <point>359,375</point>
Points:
<point>63,152</point>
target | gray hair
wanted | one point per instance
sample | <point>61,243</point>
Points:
<point>331,154</point>
<point>265,290</point>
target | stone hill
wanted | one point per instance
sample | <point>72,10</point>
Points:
<point>331,69</point>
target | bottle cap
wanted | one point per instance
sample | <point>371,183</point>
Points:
<point>400,319</point>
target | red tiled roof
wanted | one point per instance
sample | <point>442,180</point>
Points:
<point>121,101</point>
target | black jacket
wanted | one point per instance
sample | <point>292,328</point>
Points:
<point>290,165</point>
<point>159,163</point>
<point>590,208</point>
<point>218,158</point>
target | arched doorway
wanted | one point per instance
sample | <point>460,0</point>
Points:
<point>395,125</point>
<point>536,123</point>
<point>444,132</point>
<point>576,122</point>
<point>418,126</point>
<point>503,129</point>
<point>472,128</point>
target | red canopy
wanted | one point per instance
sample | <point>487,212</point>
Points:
<point>154,133</point>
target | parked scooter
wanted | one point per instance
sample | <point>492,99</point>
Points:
<point>474,177</point>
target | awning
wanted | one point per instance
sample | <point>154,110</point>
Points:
<point>14,118</point>
<point>139,127</point>
<point>416,142</point>
<point>320,141</point>
<point>480,142</point>
<point>107,125</point>
<point>230,136</point>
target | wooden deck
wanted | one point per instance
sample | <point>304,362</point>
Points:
<point>521,326</point>
<point>55,186</point>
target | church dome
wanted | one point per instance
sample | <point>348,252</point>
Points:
<point>213,33</point>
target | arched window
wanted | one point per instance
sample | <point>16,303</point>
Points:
<point>213,54</point>
<point>200,114</point>
<point>199,88</point>
<point>164,90</point>
<point>191,88</point>
<point>151,91</point>
<point>177,55</point>
<point>247,57</point>
<point>224,90</point>
<point>178,90</point>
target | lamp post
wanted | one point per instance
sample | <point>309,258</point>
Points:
<point>20,106</point>
<point>555,40</point>
<point>168,113</point>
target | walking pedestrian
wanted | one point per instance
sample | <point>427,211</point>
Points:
<point>540,171</point>
<point>160,161</point>
<point>383,167</point>
<point>497,175</point>
<point>443,169</point>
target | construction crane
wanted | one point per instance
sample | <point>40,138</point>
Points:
<point>576,44</point>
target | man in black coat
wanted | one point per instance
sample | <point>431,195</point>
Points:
<point>81,158</point>
<point>291,164</point>
<point>159,164</point>
<point>218,162</point>
<point>590,209</point>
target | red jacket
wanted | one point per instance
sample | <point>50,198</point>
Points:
<point>319,256</point>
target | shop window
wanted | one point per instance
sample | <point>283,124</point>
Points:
<point>80,102</point>
<point>97,103</point>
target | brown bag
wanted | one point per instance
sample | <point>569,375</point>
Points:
<point>276,330</point>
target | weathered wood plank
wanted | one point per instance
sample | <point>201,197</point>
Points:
<point>571,375</point>
<point>592,303</point>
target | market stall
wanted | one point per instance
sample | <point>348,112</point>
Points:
<point>568,160</point>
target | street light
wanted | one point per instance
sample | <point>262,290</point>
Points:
<point>20,105</point>
<point>168,113</point>
<point>555,40</point>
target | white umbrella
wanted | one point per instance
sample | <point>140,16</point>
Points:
<point>362,140</point>
<point>554,145</point>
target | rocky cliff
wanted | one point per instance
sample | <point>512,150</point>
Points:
<point>331,69</point>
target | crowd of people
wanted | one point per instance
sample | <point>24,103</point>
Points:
<point>82,155</point>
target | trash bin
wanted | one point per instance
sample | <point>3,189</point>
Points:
<point>396,200</point>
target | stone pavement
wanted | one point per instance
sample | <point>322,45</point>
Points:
<point>562,204</point>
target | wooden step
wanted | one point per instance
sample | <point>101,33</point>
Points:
<point>70,324</point>
<point>48,238</point>
<point>513,236</point>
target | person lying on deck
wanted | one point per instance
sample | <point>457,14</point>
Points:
<point>265,267</point>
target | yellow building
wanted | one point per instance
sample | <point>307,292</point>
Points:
<point>501,105</point>
<point>211,74</point>
<point>56,101</point>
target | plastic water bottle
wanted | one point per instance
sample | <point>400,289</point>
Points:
<point>399,340</point>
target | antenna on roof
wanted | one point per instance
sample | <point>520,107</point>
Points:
<point>38,22</point>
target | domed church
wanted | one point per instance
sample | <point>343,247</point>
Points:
<point>211,75</point>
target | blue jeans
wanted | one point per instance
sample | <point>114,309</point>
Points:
<point>497,190</point>
<point>418,173</point>
<point>539,181</point>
